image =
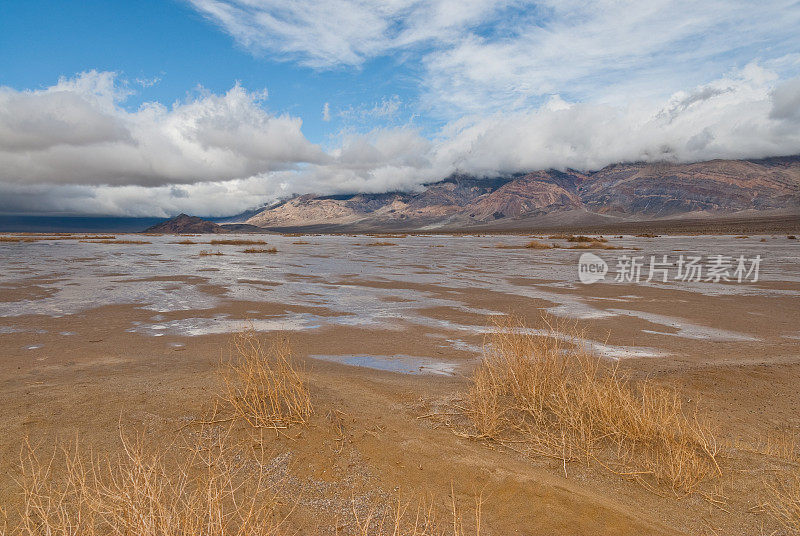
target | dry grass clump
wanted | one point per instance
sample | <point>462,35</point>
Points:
<point>16,239</point>
<point>263,384</point>
<point>536,244</point>
<point>208,252</point>
<point>236,242</point>
<point>206,487</point>
<point>792,237</point>
<point>581,238</point>
<point>80,237</point>
<point>300,243</point>
<point>547,393</point>
<point>387,235</point>
<point>784,504</point>
<point>260,250</point>
<point>379,243</point>
<point>533,244</point>
<point>115,241</point>
<point>402,519</point>
<point>185,242</point>
<point>577,238</point>
<point>593,245</point>
<point>647,235</point>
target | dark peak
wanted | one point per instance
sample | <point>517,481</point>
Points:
<point>183,223</point>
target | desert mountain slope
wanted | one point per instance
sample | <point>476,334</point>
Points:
<point>620,192</point>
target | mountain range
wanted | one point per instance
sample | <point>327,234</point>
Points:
<point>626,192</point>
<point>625,195</point>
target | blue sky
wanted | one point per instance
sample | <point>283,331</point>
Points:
<point>169,41</point>
<point>151,108</point>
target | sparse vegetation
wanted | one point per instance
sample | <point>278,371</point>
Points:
<point>208,252</point>
<point>403,520</point>
<point>577,244</point>
<point>260,250</point>
<point>16,239</point>
<point>379,243</point>
<point>647,235</point>
<point>186,242</point>
<point>115,241</point>
<point>593,245</point>
<point>300,243</point>
<point>263,384</point>
<point>581,238</point>
<point>199,488</point>
<point>536,244</point>
<point>792,237</point>
<point>784,504</point>
<point>546,394</point>
<point>236,242</point>
<point>387,235</point>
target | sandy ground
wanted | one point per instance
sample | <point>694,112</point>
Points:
<point>98,336</point>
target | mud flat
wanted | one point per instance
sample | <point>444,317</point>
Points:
<point>97,336</point>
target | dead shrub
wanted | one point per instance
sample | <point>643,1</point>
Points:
<point>260,250</point>
<point>593,245</point>
<point>536,244</point>
<point>546,392</point>
<point>115,242</point>
<point>581,238</point>
<point>17,239</point>
<point>423,519</point>
<point>236,242</point>
<point>784,504</point>
<point>263,384</point>
<point>204,488</point>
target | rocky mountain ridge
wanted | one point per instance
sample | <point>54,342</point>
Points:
<point>616,193</point>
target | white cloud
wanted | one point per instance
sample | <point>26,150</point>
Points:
<point>483,56</point>
<point>732,117</point>
<point>230,155</point>
<point>77,132</point>
<point>385,112</point>
<point>326,112</point>
<point>329,33</point>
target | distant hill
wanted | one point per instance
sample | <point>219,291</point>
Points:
<point>616,194</point>
<point>184,224</point>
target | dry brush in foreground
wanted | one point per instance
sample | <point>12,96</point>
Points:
<point>548,395</point>
<point>264,386</point>
<point>200,488</point>
<point>210,482</point>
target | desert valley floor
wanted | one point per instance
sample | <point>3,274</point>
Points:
<point>96,336</point>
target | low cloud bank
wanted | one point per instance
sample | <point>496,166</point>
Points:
<point>74,147</point>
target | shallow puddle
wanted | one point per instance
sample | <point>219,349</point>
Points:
<point>404,364</point>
